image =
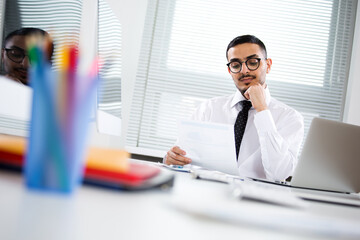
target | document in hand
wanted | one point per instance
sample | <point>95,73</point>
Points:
<point>209,145</point>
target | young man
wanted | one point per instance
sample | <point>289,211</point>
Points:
<point>268,133</point>
<point>14,56</point>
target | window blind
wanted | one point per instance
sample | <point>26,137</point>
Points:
<point>183,59</point>
<point>109,48</point>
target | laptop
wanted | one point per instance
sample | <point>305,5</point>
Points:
<point>330,159</point>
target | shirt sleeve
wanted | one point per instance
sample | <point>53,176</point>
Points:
<point>279,143</point>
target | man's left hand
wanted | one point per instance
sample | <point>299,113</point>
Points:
<point>256,94</point>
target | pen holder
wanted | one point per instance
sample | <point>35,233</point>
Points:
<point>61,110</point>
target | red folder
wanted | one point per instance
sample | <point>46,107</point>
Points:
<point>12,150</point>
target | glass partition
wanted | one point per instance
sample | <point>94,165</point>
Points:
<point>62,19</point>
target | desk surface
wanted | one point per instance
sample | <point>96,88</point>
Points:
<point>96,213</point>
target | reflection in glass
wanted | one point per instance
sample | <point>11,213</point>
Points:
<point>109,48</point>
<point>62,19</point>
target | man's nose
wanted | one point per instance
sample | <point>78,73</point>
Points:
<point>25,62</point>
<point>244,68</point>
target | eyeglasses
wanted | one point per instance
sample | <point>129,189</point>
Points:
<point>252,64</point>
<point>16,55</point>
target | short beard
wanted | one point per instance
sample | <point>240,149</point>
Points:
<point>248,84</point>
<point>243,91</point>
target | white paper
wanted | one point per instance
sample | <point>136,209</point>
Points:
<point>15,107</point>
<point>15,99</point>
<point>209,145</point>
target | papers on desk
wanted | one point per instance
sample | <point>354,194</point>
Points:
<point>209,145</point>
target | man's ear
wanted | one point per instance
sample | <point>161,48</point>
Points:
<point>2,56</point>
<point>268,65</point>
<point>229,70</point>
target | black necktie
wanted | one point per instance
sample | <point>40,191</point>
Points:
<point>240,124</point>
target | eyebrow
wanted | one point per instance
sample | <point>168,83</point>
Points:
<point>248,57</point>
<point>252,56</point>
<point>15,47</point>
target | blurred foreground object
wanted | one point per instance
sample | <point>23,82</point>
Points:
<point>108,168</point>
<point>61,107</point>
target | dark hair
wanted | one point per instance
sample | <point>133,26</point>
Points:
<point>246,39</point>
<point>28,32</point>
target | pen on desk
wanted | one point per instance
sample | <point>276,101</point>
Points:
<point>176,166</point>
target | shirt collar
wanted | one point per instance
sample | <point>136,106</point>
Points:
<point>239,97</point>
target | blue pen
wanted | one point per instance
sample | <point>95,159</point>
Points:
<point>176,166</point>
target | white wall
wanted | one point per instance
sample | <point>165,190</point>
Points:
<point>352,104</point>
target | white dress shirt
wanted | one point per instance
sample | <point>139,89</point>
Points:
<point>272,138</point>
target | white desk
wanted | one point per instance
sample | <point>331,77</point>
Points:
<point>95,213</point>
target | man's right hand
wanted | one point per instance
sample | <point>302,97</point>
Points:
<point>176,156</point>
